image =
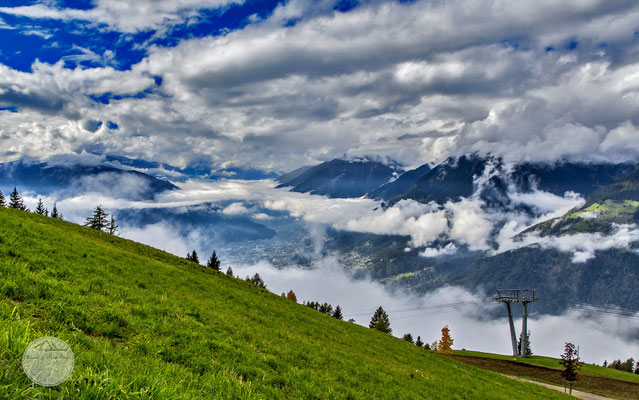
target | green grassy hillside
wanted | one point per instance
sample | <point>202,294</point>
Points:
<point>617,203</point>
<point>145,324</point>
<point>553,363</point>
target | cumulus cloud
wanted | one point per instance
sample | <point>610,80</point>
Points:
<point>415,81</point>
<point>474,322</point>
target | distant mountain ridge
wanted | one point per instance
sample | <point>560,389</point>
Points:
<point>45,178</point>
<point>340,178</point>
<point>452,179</point>
<point>456,177</point>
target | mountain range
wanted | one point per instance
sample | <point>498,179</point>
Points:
<point>340,178</point>
<point>71,179</point>
<point>612,198</point>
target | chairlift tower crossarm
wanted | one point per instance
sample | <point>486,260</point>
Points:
<point>523,296</point>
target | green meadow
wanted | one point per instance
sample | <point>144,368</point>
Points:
<point>553,363</point>
<point>144,324</point>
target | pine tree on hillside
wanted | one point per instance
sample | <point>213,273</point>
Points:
<point>229,271</point>
<point>326,309</point>
<point>214,262</point>
<point>193,257</point>
<point>3,201</point>
<point>419,342</point>
<point>113,228</point>
<point>98,220</point>
<point>15,201</point>
<point>40,209</point>
<point>55,213</point>
<point>380,321</point>
<point>528,349</point>
<point>408,337</point>
<point>257,281</point>
<point>337,314</point>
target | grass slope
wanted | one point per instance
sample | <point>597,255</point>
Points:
<point>149,325</point>
<point>593,379</point>
<point>553,363</point>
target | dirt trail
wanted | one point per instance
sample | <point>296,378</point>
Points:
<point>576,393</point>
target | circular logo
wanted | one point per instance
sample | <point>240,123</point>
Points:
<point>48,361</point>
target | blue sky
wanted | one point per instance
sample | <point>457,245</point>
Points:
<point>275,85</point>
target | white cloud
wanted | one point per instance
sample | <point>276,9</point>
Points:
<point>235,209</point>
<point>447,250</point>
<point>139,15</point>
<point>582,245</point>
<point>415,81</point>
<point>161,236</point>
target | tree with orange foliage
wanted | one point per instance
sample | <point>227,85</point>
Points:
<point>445,343</point>
<point>291,296</point>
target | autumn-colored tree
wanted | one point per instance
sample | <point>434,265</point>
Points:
<point>291,296</point>
<point>445,343</point>
<point>570,362</point>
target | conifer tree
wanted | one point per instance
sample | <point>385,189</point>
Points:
<point>213,262</point>
<point>193,257</point>
<point>3,201</point>
<point>337,314</point>
<point>326,309</point>
<point>528,349</point>
<point>40,209</point>
<point>257,281</point>
<point>55,213</point>
<point>419,342</point>
<point>98,220</point>
<point>380,321</point>
<point>229,271</point>
<point>15,201</point>
<point>408,337</point>
<point>291,296</point>
<point>113,228</point>
<point>445,343</point>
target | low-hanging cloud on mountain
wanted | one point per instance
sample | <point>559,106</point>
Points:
<point>465,222</point>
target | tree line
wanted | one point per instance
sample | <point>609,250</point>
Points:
<point>16,202</point>
<point>628,366</point>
